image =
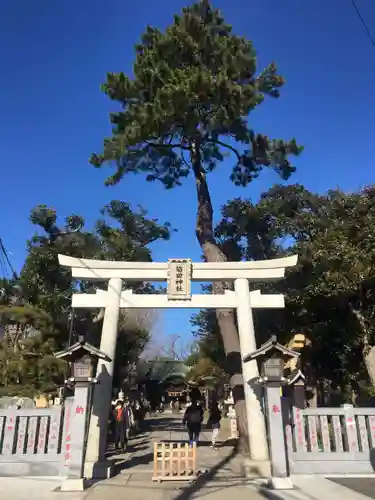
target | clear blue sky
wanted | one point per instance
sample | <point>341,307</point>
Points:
<point>54,55</point>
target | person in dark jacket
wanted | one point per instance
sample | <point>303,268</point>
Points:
<point>214,423</point>
<point>122,423</point>
<point>193,419</point>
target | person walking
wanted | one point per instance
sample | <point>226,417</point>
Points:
<point>214,423</point>
<point>193,419</point>
<point>129,409</point>
<point>174,407</point>
<point>138,415</point>
<point>122,425</point>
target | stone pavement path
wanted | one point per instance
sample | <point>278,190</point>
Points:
<point>363,485</point>
<point>134,478</point>
<point>35,488</point>
<point>168,428</point>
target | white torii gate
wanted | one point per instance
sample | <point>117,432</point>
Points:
<point>178,273</point>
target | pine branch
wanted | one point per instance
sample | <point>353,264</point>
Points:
<point>167,146</point>
<point>234,150</point>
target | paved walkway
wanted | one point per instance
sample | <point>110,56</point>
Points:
<point>363,485</point>
<point>138,462</point>
<point>223,475</point>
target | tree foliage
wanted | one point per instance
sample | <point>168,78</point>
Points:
<point>330,295</point>
<point>31,369</point>
<point>38,309</point>
<point>205,372</point>
<point>207,332</point>
<point>193,84</point>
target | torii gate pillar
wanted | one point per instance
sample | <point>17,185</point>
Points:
<point>255,419</point>
<point>95,465</point>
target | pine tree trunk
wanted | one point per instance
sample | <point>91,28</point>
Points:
<point>368,351</point>
<point>225,317</point>
<point>369,359</point>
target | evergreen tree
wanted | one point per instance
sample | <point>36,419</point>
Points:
<point>35,311</point>
<point>330,294</point>
<point>185,109</point>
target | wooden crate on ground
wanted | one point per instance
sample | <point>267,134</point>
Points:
<point>174,462</point>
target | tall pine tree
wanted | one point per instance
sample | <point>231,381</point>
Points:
<point>184,109</point>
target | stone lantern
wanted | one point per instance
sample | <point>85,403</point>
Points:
<point>272,357</point>
<point>82,358</point>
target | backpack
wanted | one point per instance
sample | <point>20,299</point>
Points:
<point>194,416</point>
<point>216,415</point>
<point>119,413</point>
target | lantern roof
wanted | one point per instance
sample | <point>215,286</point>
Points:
<point>80,349</point>
<point>296,377</point>
<point>270,347</point>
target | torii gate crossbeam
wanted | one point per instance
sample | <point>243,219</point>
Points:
<point>129,300</point>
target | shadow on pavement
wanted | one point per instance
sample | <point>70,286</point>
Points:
<point>134,461</point>
<point>160,421</point>
<point>202,480</point>
<point>201,444</point>
<point>363,485</point>
<point>131,448</point>
<point>172,427</point>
